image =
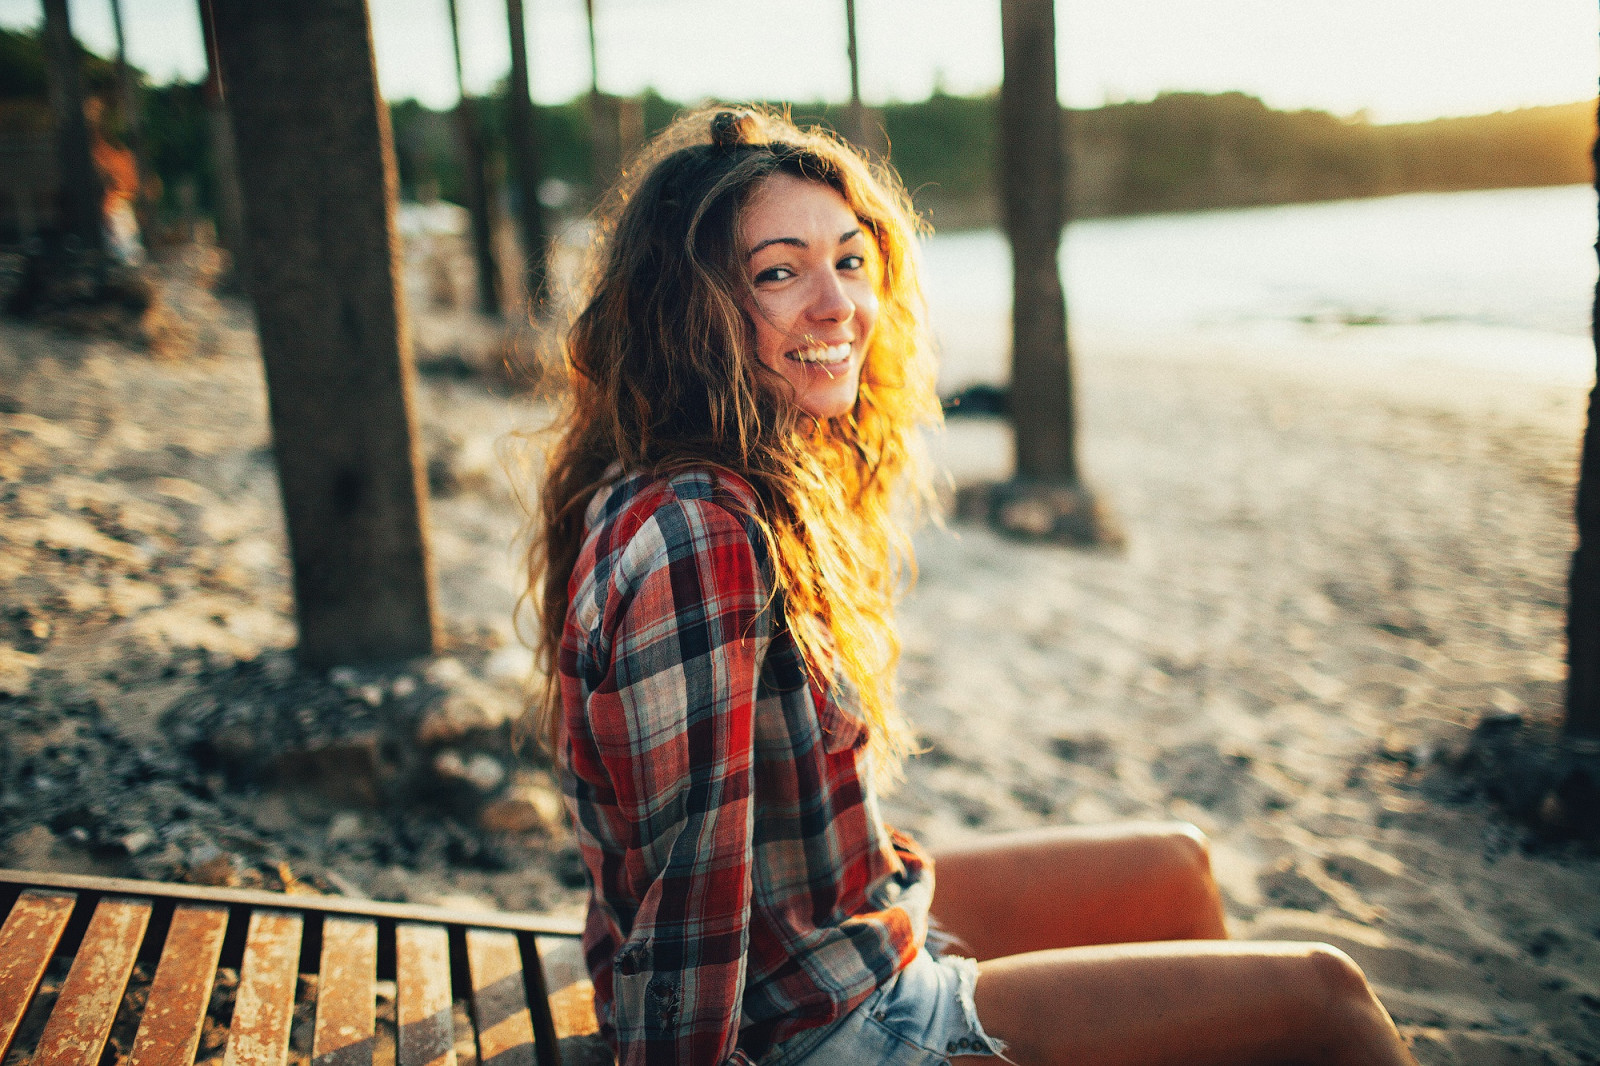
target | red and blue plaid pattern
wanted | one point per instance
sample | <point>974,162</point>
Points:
<point>743,887</point>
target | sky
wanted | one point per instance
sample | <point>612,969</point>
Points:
<point>1395,60</point>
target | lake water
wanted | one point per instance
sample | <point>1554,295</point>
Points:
<point>1501,279</point>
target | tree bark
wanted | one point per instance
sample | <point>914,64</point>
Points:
<point>1583,601</point>
<point>525,166</point>
<point>1033,181</point>
<point>80,206</point>
<point>319,180</point>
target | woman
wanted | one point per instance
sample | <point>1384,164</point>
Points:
<point>720,546</point>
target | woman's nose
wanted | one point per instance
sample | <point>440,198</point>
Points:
<point>830,302</point>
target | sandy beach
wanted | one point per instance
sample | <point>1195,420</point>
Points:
<point>1331,576</point>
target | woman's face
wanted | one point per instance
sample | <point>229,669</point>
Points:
<point>814,276</point>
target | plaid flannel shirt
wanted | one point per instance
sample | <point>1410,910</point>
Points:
<point>743,887</point>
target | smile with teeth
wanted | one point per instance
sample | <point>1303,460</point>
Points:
<point>824,356</point>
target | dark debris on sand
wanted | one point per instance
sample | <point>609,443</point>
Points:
<point>152,721</point>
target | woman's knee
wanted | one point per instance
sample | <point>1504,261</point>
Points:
<point>1337,977</point>
<point>1191,846</point>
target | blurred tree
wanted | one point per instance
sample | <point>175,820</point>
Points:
<point>229,200</point>
<point>81,194</point>
<point>317,170</point>
<point>481,201</point>
<point>522,139</point>
<point>605,147</point>
<point>1583,602</point>
<point>1047,497</point>
<point>861,126</point>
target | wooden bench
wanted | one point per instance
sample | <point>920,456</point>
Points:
<point>353,982</point>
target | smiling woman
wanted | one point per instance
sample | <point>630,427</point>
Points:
<point>715,564</point>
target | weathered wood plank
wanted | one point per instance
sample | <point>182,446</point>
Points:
<point>346,997</point>
<point>263,1010</point>
<point>362,908</point>
<point>566,980</point>
<point>27,940</point>
<point>499,999</point>
<point>426,1030</point>
<point>175,1013</point>
<point>78,1026</point>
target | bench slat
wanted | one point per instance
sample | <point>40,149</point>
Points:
<point>263,1010</point>
<point>27,941</point>
<point>542,924</point>
<point>566,979</point>
<point>425,1028</point>
<point>78,1026</point>
<point>499,999</point>
<point>175,1013</point>
<point>346,1018</point>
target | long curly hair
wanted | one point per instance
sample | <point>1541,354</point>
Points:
<point>664,376</point>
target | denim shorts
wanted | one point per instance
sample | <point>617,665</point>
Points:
<point>919,1017</point>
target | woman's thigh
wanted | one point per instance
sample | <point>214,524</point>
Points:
<point>1073,886</point>
<point>1186,1004</point>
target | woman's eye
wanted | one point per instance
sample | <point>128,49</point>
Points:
<point>852,262</point>
<point>774,274</point>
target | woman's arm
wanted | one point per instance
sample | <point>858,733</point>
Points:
<point>673,721</point>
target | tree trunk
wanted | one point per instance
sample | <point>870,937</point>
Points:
<point>80,205</point>
<point>605,148</point>
<point>525,169</point>
<point>1583,600</point>
<point>865,131</point>
<point>317,170</point>
<point>224,161</point>
<point>481,202</point>
<point>1033,183</point>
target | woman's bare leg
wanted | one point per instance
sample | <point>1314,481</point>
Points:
<point>1186,1004</point>
<point>1072,886</point>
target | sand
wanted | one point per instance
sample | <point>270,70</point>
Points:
<point>1331,575</point>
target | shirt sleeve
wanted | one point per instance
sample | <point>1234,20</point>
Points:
<point>677,738</point>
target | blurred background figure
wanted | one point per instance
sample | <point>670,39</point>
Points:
<point>119,179</point>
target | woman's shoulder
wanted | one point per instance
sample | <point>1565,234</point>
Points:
<point>650,518</point>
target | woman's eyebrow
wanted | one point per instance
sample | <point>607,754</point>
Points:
<point>795,241</point>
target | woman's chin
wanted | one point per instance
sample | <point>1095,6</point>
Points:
<point>823,395</point>
<point>832,403</point>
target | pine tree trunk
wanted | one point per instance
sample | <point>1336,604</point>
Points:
<point>318,175</point>
<point>1033,183</point>
<point>1583,601</point>
<point>524,144</point>
<point>78,214</point>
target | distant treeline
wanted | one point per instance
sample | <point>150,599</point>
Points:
<point>1178,152</point>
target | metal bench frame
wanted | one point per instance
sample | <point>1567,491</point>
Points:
<point>522,975</point>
